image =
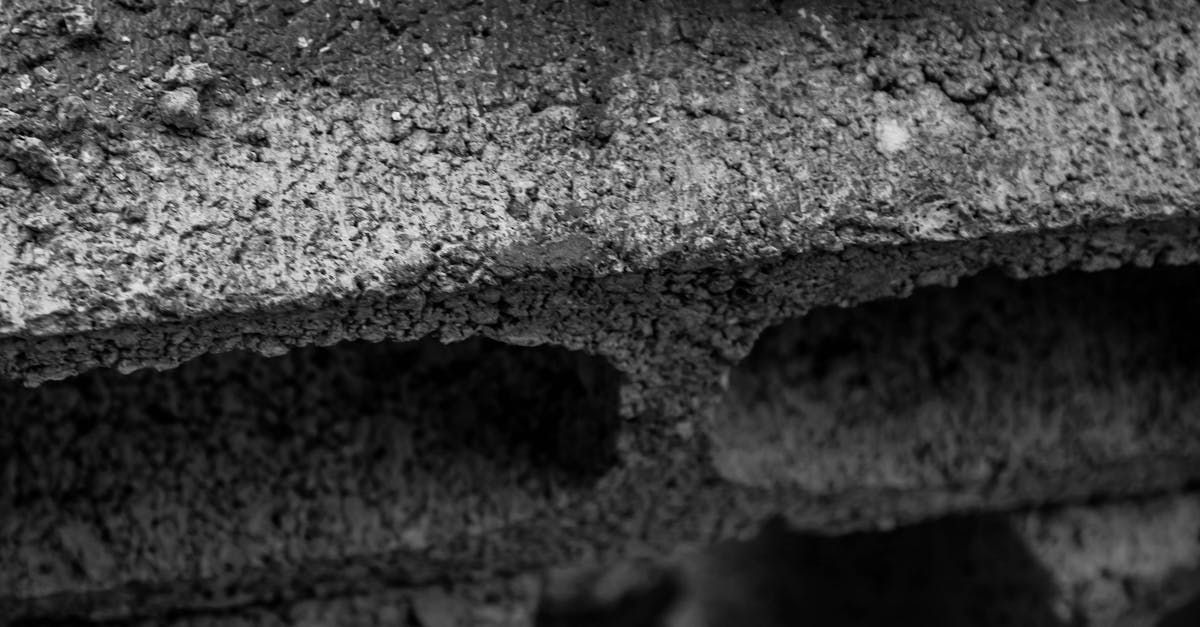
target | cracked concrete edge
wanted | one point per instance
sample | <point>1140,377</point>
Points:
<point>930,127</point>
<point>647,324</point>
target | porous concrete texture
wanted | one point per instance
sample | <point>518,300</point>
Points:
<point>651,185</point>
<point>487,169</point>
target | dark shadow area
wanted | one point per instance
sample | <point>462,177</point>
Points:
<point>958,572</point>
<point>1186,616</point>
<point>963,571</point>
<point>996,379</point>
<point>234,465</point>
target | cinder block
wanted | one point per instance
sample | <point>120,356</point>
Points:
<point>340,299</point>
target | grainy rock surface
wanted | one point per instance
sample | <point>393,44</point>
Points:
<point>650,184</point>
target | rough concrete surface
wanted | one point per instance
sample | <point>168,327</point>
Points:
<point>663,188</point>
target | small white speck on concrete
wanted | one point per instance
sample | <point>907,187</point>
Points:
<point>891,136</point>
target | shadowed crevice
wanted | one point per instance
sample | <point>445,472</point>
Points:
<point>1186,616</point>
<point>239,474</point>
<point>991,384</point>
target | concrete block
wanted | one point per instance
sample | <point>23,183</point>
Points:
<point>650,234</point>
